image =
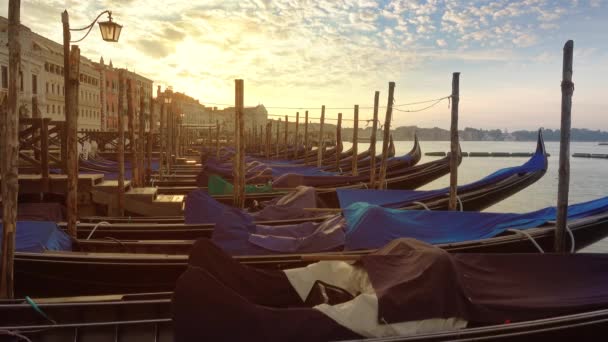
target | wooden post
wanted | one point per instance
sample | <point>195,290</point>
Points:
<point>285,141</point>
<point>268,138</point>
<point>239,169</point>
<point>71,92</point>
<point>132,138</point>
<point>306,134</point>
<point>372,143</point>
<point>386,137</point>
<point>141,138</point>
<point>161,132</point>
<point>354,171</point>
<point>44,153</point>
<point>321,140</point>
<point>217,139</point>
<point>338,141</point>
<point>564,149</point>
<point>295,138</point>
<point>121,145</point>
<point>36,132</point>
<point>65,20</point>
<point>150,140</point>
<point>278,133</point>
<point>169,146</point>
<point>9,128</point>
<point>454,153</point>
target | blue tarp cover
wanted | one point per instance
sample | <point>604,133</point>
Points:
<point>38,236</point>
<point>372,226</point>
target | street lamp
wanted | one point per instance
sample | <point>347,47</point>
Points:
<point>110,31</point>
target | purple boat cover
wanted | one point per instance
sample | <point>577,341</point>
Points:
<point>242,238</point>
<point>202,208</point>
<point>416,281</point>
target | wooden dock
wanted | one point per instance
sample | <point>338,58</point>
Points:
<point>591,155</point>
<point>484,154</point>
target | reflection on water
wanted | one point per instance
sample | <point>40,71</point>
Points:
<point>587,176</point>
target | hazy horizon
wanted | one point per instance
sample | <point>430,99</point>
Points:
<point>337,53</point>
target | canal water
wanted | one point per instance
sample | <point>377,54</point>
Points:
<point>588,177</point>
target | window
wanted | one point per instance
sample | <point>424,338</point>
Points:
<point>21,80</point>
<point>47,87</point>
<point>62,90</point>
<point>48,109</point>
<point>34,84</point>
<point>52,88</point>
<point>46,67</point>
<point>53,109</point>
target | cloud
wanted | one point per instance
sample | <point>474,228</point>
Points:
<point>154,48</point>
<point>317,50</point>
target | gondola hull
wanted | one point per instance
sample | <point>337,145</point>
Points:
<point>84,273</point>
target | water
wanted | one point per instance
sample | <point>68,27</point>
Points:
<point>588,177</point>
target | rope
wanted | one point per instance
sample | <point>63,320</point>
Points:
<point>422,205</point>
<point>422,109</point>
<point>36,308</point>
<point>518,231</point>
<point>460,203</point>
<point>571,238</point>
<point>339,108</point>
<point>100,223</point>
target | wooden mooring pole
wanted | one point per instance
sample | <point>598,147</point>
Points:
<point>306,135</point>
<point>239,170</point>
<point>372,143</point>
<point>321,140</point>
<point>141,139</point>
<point>386,137</point>
<point>71,92</point>
<point>217,139</point>
<point>454,151</point>
<point>132,138</point>
<point>354,170</point>
<point>278,139</point>
<point>564,149</point>
<point>285,141</point>
<point>150,140</point>
<point>338,141</point>
<point>9,127</point>
<point>161,132</point>
<point>295,138</point>
<point>120,204</point>
<point>268,138</point>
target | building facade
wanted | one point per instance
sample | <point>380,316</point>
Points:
<point>32,76</point>
<point>42,78</point>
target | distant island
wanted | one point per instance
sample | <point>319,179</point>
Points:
<point>474,134</point>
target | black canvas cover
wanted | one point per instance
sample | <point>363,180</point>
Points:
<point>485,288</point>
<point>219,299</point>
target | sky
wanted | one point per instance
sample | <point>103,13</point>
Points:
<point>304,54</point>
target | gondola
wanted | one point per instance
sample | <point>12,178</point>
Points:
<point>134,317</point>
<point>123,271</point>
<point>408,291</point>
<point>475,196</point>
<point>148,317</point>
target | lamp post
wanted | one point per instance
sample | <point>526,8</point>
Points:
<point>110,32</point>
